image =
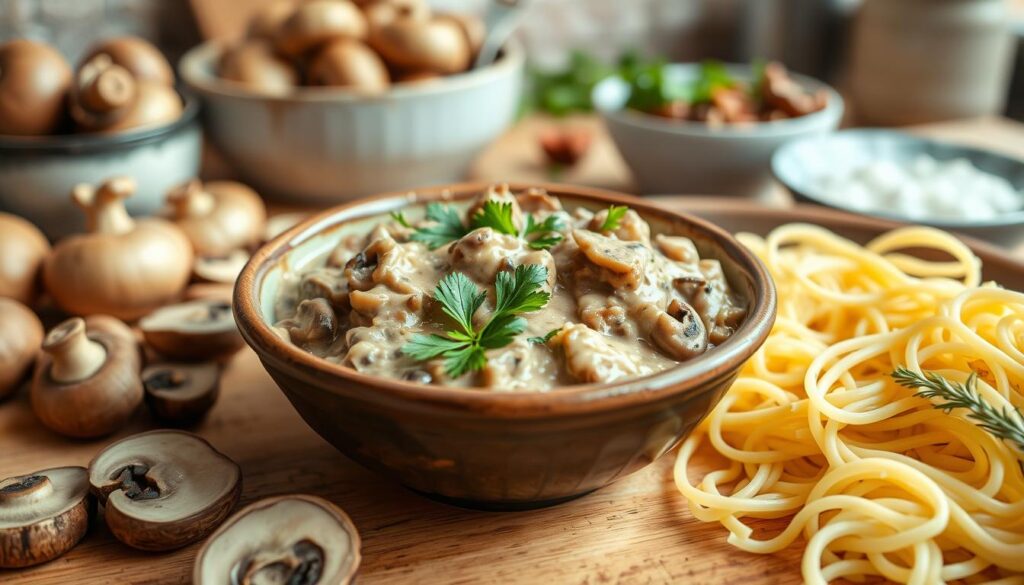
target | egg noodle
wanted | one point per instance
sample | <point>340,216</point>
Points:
<point>876,481</point>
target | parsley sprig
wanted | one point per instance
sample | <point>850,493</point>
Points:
<point>447,225</point>
<point>1004,424</point>
<point>614,218</point>
<point>464,348</point>
<point>546,338</point>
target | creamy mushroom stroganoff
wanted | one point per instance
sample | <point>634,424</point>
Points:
<point>514,293</point>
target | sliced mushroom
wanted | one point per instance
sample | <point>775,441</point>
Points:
<point>286,539</point>
<point>314,322</point>
<point>209,291</point>
<point>196,330</point>
<point>164,489</point>
<point>679,332</point>
<point>20,336</point>
<point>181,394</point>
<point>220,269</point>
<point>86,382</point>
<point>43,515</point>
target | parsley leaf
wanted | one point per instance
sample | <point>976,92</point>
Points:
<point>547,337</point>
<point>399,217</point>
<point>614,218</point>
<point>548,230</point>
<point>497,216</point>
<point>448,226</point>
<point>464,347</point>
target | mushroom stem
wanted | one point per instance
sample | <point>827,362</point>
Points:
<point>75,356</point>
<point>104,207</point>
<point>191,200</point>
<point>104,86</point>
<point>25,490</point>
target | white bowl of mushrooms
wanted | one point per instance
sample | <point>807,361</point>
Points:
<point>325,101</point>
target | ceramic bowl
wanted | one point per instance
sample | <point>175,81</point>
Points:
<point>326,145</point>
<point>672,156</point>
<point>800,165</point>
<point>497,449</point>
<point>38,173</point>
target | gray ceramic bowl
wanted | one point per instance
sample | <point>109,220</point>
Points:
<point>38,173</point>
<point>497,449</point>
<point>325,145</point>
<point>799,164</point>
<point>672,156</point>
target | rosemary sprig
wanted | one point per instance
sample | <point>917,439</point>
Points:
<point>1006,424</point>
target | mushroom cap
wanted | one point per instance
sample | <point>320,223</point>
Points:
<point>351,64</point>
<point>99,404</point>
<point>440,45</point>
<point>20,336</point>
<point>43,515</point>
<point>220,269</point>
<point>155,104</point>
<point>316,22</point>
<point>164,489</point>
<point>196,330</point>
<point>24,249</point>
<point>269,18</point>
<point>266,537</point>
<point>143,60</point>
<point>255,64</point>
<point>34,80</point>
<point>181,393</point>
<point>382,12</point>
<point>125,275</point>
<point>218,217</point>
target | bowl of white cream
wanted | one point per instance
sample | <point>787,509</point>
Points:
<point>899,176</point>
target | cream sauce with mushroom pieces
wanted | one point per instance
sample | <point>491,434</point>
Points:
<point>622,303</point>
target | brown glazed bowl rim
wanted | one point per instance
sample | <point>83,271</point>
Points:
<point>682,379</point>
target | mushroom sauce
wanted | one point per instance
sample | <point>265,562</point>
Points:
<point>622,303</point>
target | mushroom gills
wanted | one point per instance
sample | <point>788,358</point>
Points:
<point>180,393</point>
<point>135,483</point>
<point>301,564</point>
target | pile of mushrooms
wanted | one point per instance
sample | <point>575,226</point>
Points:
<point>160,490</point>
<point>122,83</point>
<point>363,46</point>
<point>121,267</point>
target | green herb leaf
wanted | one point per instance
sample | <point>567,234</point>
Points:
<point>713,76</point>
<point>614,218</point>
<point>545,242</point>
<point>399,217</point>
<point>547,337</point>
<point>548,230</point>
<point>464,348</point>
<point>448,226</point>
<point>1005,424</point>
<point>497,216</point>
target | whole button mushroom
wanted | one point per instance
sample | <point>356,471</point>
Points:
<point>285,539</point>
<point>255,64</point>
<point>218,217</point>
<point>197,330</point>
<point>86,383</point>
<point>351,64</point>
<point>22,250</point>
<point>316,22</point>
<point>142,60</point>
<point>269,18</point>
<point>181,394</point>
<point>122,267</point>
<point>103,94</point>
<point>20,336</point>
<point>439,45</point>
<point>383,12</point>
<point>43,515</point>
<point>34,81</point>
<point>162,490</point>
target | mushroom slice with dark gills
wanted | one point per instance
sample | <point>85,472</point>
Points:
<point>43,515</point>
<point>197,330</point>
<point>400,267</point>
<point>679,332</point>
<point>590,358</point>
<point>711,297</point>
<point>164,489</point>
<point>621,264</point>
<point>181,393</point>
<point>297,539</point>
<point>314,323</point>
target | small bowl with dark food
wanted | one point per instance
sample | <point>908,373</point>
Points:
<point>328,100</point>
<point>895,175</point>
<point>504,347</point>
<point>709,127</point>
<point>117,113</point>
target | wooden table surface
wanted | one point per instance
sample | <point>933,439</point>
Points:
<point>637,530</point>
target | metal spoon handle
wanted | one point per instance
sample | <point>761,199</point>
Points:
<point>501,20</point>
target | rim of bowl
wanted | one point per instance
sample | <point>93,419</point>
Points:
<point>91,142</point>
<point>1008,219</point>
<point>196,66</point>
<point>566,400</point>
<point>831,114</point>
